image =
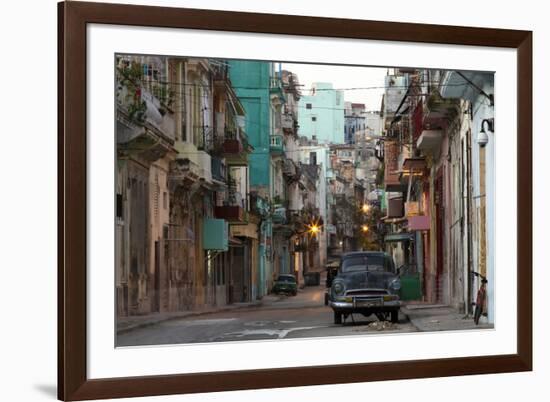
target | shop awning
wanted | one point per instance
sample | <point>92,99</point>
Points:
<point>393,237</point>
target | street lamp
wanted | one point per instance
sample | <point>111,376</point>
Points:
<point>313,229</point>
<point>365,228</point>
<point>365,208</point>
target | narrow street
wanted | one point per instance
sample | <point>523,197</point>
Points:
<point>218,197</point>
<point>277,317</point>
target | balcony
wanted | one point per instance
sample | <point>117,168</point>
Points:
<point>235,149</point>
<point>141,128</point>
<point>259,205</point>
<point>197,162</point>
<point>275,86</point>
<point>430,140</point>
<point>234,214</point>
<point>415,165</point>
<point>391,166</point>
<point>276,144</point>
<point>142,107</point>
<point>146,141</point>
<point>440,111</point>
<point>413,169</point>
<point>232,146</point>
<point>279,214</point>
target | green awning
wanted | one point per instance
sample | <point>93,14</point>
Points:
<point>398,237</point>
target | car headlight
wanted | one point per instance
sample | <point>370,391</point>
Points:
<point>338,288</point>
<point>395,284</point>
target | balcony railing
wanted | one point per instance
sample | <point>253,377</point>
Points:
<point>205,138</point>
<point>275,83</point>
<point>276,144</point>
<point>233,146</point>
<point>234,208</point>
<point>234,214</point>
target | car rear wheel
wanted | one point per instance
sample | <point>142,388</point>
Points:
<point>395,316</point>
<point>337,318</point>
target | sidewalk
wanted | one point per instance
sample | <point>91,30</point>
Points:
<point>439,317</point>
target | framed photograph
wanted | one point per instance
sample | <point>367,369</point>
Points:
<point>256,201</point>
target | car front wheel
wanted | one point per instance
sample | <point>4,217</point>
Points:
<point>337,318</point>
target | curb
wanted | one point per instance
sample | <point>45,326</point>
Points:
<point>177,317</point>
<point>199,313</point>
<point>404,311</point>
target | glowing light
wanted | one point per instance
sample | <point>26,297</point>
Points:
<point>314,229</point>
<point>365,208</point>
<point>365,228</point>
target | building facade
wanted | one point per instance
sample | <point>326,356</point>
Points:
<point>439,209</point>
<point>322,114</point>
<point>181,150</point>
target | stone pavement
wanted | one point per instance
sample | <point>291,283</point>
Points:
<point>429,318</point>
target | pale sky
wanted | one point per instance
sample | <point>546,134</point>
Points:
<point>343,77</point>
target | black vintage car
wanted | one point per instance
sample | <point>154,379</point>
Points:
<point>366,283</point>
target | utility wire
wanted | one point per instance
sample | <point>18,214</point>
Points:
<point>163,82</point>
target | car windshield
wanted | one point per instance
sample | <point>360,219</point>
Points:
<point>372,263</point>
<point>286,278</point>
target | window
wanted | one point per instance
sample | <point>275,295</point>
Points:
<point>308,105</point>
<point>372,263</point>
<point>314,119</point>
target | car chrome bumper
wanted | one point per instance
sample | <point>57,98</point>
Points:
<point>366,304</point>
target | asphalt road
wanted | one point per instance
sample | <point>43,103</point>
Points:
<point>279,317</point>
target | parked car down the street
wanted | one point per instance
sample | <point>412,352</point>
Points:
<point>285,283</point>
<point>366,283</point>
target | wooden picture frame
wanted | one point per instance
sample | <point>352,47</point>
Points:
<point>73,17</point>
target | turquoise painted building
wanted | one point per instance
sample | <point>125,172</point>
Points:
<point>251,79</point>
<point>321,114</point>
<point>251,82</point>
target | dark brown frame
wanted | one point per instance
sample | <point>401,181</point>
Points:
<point>73,383</point>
